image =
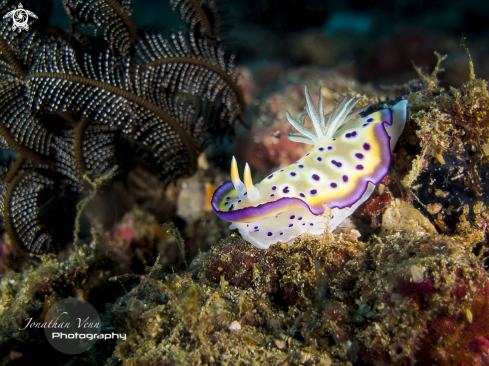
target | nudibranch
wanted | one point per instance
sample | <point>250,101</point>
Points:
<point>340,172</point>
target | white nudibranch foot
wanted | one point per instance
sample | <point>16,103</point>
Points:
<point>340,172</point>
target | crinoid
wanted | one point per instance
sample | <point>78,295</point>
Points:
<point>73,106</point>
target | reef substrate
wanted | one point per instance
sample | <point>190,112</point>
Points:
<point>402,299</point>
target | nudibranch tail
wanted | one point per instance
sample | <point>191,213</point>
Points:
<point>399,116</point>
<point>340,172</point>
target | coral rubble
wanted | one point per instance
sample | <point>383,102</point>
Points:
<point>406,298</point>
<point>327,300</point>
<point>450,175</point>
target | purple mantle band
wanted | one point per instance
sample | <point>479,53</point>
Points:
<point>248,214</point>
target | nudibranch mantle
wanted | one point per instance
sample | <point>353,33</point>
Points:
<point>340,173</point>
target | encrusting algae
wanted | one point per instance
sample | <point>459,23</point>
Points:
<point>319,300</point>
<point>331,299</point>
<point>450,176</point>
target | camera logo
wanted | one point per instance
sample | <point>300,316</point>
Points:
<point>20,17</point>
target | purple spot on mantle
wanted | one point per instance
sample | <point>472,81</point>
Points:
<point>345,178</point>
<point>293,174</point>
<point>359,155</point>
<point>321,149</point>
<point>308,154</point>
<point>311,224</point>
<point>281,233</point>
<point>333,185</point>
<point>319,158</point>
<point>337,163</point>
<point>301,166</point>
<point>302,195</point>
<point>269,233</point>
<point>292,217</point>
<point>256,227</point>
<point>366,146</point>
<point>351,134</point>
<point>272,195</point>
<point>313,192</point>
<point>299,218</point>
<point>330,147</point>
<point>291,225</point>
<point>274,188</point>
<point>270,176</point>
<point>286,190</point>
<point>315,177</point>
<point>370,120</point>
<point>360,167</point>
